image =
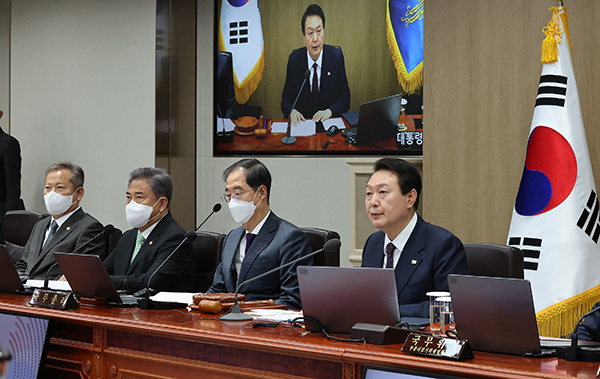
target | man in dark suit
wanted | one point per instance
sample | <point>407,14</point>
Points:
<point>326,92</point>
<point>10,176</point>
<point>68,229</point>
<point>263,242</point>
<point>154,236</point>
<point>421,254</point>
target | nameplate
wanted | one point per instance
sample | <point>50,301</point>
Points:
<point>410,139</point>
<point>437,347</point>
<point>53,299</point>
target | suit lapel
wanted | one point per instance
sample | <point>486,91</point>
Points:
<point>410,259</point>
<point>65,229</point>
<point>262,240</point>
<point>150,242</point>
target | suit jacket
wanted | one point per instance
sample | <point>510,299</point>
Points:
<point>334,91</point>
<point>589,330</point>
<point>278,242</point>
<point>79,228</point>
<point>10,174</point>
<point>178,274</point>
<point>430,254</point>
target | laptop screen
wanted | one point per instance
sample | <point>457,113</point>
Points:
<point>26,337</point>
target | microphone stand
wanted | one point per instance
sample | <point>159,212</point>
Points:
<point>289,139</point>
<point>236,313</point>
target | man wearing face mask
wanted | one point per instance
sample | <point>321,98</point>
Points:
<point>154,236</point>
<point>68,228</point>
<point>263,242</point>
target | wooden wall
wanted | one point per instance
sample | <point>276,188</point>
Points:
<point>357,26</point>
<point>481,72</point>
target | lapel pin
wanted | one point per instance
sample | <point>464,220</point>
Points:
<point>413,262</point>
<point>68,228</point>
<point>150,243</point>
<point>328,73</point>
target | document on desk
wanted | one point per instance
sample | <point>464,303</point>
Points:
<point>301,129</point>
<point>177,297</point>
<point>61,285</point>
<point>279,127</point>
<point>274,314</point>
<point>224,125</point>
<point>337,121</point>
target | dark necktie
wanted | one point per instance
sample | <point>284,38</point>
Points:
<point>389,252</point>
<point>249,238</point>
<point>315,83</point>
<point>53,230</point>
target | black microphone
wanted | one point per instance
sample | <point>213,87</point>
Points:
<point>237,315</point>
<point>570,353</point>
<point>107,230</point>
<point>216,208</point>
<point>146,303</point>
<point>288,139</point>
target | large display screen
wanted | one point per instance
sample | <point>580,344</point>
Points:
<point>26,338</point>
<point>265,77</point>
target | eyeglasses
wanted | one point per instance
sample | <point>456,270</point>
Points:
<point>236,195</point>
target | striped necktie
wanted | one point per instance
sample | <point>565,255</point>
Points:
<point>389,252</point>
<point>138,245</point>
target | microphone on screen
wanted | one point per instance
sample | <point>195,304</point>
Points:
<point>146,303</point>
<point>288,139</point>
<point>236,313</point>
<point>216,208</point>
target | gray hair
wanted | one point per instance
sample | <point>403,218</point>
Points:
<point>76,172</point>
<point>159,181</point>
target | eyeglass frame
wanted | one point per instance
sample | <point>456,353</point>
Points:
<point>236,195</point>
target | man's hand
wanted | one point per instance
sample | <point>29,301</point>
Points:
<point>322,115</point>
<point>62,279</point>
<point>296,117</point>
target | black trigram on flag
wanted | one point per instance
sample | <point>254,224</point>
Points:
<point>238,32</point>
<point>531,248</point>
<point>588,221</point>
<point>552,90</point>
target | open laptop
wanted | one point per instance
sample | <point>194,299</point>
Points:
<point>88,277</point>
<point>9,277</point>
<point>339,297</point>
<point>377,121</point>
<point>497,315</point>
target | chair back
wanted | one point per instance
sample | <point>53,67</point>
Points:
<point>18,225</point>
<point>111,241</point>
<point>317,238</point>
<point>488,259</point>
<point>207,255</point>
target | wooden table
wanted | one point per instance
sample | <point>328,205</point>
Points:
<point>272,144</point>
<point>107,342</point>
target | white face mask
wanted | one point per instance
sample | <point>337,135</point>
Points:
<point>57,204</point>
<point>138,214</point>
<point>242,211</point>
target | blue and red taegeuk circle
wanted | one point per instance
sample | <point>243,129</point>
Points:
<point>237,3</point>
<point>549,175</point>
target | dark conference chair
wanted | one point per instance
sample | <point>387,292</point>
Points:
<point>17,228</point>
<point>317,238</point>
<point>207,255</point>
<point>488,259</point>
<point>111,241</point>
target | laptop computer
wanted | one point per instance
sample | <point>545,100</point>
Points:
<point>88,277</point>
<point>9,277</point>
<point>377,121</point>
<point>339,297</point>
<point>497,315</point>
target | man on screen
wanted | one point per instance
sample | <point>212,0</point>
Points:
<point>263,241</point>
<point>421,254</point>
<point>325,93</point>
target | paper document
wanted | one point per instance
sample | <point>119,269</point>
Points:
<point>54,284</point>
<point>337,121</point>
<point>176,297</point>
<point>274,314</point>
<point>279,127</point>
<point>304,128</point>
<point>224,125</point>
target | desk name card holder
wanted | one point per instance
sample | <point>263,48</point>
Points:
<point>53,299</point>
<point>437,347</point>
